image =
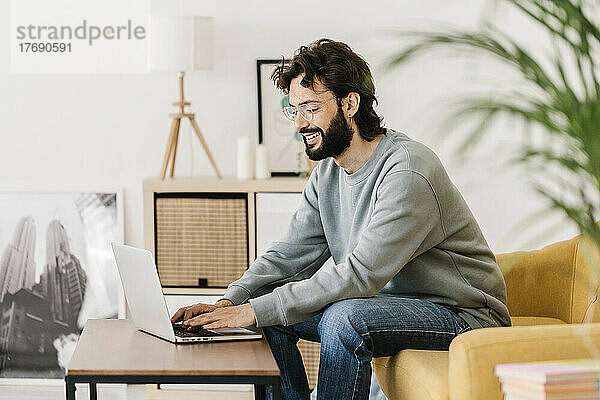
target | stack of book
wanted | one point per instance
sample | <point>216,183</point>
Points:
<point>549,380</point>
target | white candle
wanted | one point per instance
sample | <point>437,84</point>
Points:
<point>245,158</point>
<point>262,162</point>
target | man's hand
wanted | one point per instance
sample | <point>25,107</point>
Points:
<point>187,312</point>
<point>223,317</point>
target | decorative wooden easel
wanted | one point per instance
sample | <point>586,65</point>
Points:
<point>171,151</point>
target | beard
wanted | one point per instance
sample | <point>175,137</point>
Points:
<point>333,142</point>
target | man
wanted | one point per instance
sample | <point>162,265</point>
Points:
<point>412,268</point>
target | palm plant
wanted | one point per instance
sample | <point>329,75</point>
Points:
<point>559,95</point>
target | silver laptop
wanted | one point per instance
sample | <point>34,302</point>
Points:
<point>147,304</point>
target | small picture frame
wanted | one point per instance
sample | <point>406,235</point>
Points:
<point>285,144</point>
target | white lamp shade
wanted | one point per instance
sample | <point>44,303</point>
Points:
<point>181,43</point>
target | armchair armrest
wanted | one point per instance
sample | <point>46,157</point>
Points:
<point>473,354</point>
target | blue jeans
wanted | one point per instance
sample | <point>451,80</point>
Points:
<point>351,333</point>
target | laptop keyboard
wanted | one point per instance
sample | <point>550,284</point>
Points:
<point>183,332</point>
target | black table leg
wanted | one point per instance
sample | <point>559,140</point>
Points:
<point>70,388</point>
<point>93,391</point>
<point>259,392</point>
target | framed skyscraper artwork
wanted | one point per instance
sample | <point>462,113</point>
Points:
<point>56,272</point>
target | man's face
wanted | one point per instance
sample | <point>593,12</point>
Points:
<point>328,134</point>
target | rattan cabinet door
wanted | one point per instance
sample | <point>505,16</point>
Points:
<point>201,238</point>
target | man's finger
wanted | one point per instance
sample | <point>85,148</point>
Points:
<point>177,316</point>
<point>205,308</point>
<point>201,320</point>
<point>216,324</point>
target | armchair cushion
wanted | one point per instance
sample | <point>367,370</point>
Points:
<point>529,321</point>
<point>549,270</point>
<point>405,374</point>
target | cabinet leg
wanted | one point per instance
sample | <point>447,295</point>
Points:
<point>69,388</point>
<point>93,391</point>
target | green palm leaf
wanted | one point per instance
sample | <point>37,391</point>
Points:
<point>566,106</point>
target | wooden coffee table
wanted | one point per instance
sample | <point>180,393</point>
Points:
<point>114,351</point>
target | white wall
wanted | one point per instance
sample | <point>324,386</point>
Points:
<point>86,130</point>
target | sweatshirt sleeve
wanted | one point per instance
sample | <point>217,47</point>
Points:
<point>297,256</point>
<point>405,222</point>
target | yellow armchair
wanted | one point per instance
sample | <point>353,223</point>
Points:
<point>552,299</point>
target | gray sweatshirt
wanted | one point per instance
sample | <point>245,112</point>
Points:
<point>398,226</point>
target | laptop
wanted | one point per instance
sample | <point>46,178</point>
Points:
<point>147,304</point>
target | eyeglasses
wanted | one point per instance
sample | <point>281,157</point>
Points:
<point>306,111</point>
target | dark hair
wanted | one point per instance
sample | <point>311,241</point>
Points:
<point>340,70</point>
